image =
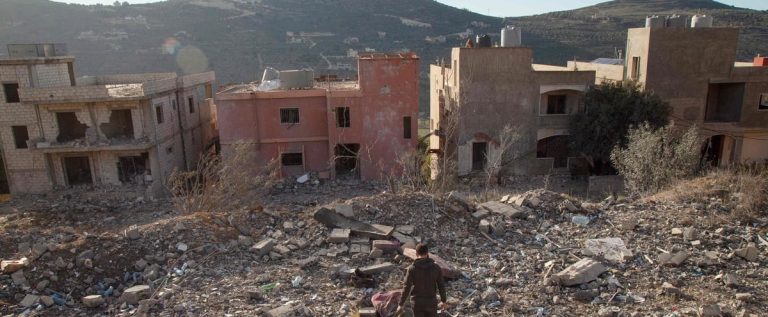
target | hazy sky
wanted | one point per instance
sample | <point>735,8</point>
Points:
<point>505,7</point>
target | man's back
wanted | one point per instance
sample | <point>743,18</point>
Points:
<point>423,281</point>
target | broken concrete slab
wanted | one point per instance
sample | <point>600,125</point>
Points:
<point>378,268</point>
<point>10,266</point>
<point>583,271</point>
<point>333,219</point>
<point>673,259</point>
<point>403,238</point>
<point>480,214</point>
<point>484,226</point>
<point>461,199</point>
<point>449,271</point>
<point>385,245</point>
<point>93,301</point>
<point>506,210</point>
<point>29,300</point>
<point>405,229</point>
<point>134,294</point>
<point>611,249</point>
<point>264,246</point>
<point>749,253</point>
<point>339,235</point>
<point>345,210</point>
<point>19,279</point>
<point>290,310</point>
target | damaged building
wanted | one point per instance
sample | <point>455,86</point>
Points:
<point>693,67</point>
<point>327,126</point>
<point>60,131</point>
<point>483,89</point>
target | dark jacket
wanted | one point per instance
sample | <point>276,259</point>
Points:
<point>423,280</point>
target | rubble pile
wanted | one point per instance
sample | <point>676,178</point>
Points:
<point>309,253</point>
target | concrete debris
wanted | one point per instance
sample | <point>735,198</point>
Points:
<point>461,199</point>
<point>749,253</point>
<point>378,268</point>
<point>345,210</point>
<point>712,310</point>
<point>385,245</point>
<point>339,235</point>
<point>506,210</point>
<point>481,213</point>
<point>332,219</point>
<point>263,247</point>
<point>18,278</point>
<point>290,310</point>
<point>93,301</point>
<point>134,294</point>
<point>731,280</point>
<point>611,249</point>
<point>484,226</point>
<point>583,271</point>
<point>29,300</point>
<point>673,259</point>
<point>10,266</point>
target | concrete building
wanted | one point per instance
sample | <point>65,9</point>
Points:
<point>695,70</point>
<point>329,127</point>
<point>58,131</point>
<point>482,90</point>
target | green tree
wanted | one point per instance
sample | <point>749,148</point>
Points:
<point>610,110</point>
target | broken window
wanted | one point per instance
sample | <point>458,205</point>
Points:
<point>635,69</point>
<point>289,115</point>
<point>763,102</point>
<point>191,101</point>
<point>342,117</point>
<point>556,104</point>
<point>406,127</point>
<point>70,128</point>
<point>555,147</point>
<point>292,159</point>
<point>346,158</point>
<point>724,102</point>
<point>20,136</point>
<point>11,92</point>
<point>479,155</point>
<point>120,124</point>
<point>78,170</point>
<point>159,113</point>
<point>131,168</point>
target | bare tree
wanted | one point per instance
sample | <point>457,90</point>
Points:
<point>506,152</point>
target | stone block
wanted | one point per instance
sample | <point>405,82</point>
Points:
<point>385,245</point>
<point>345,210</point>
<point>378,268</point>
<point>134,294</point>
<point>583,271</point>
<point>29,300</point>
<point>611,249</point>
<point>263,247</point>
<point>339,235</point>
<point>673,259</point>
<point>10,266</point>
<point>749,253</point>
<point>484,226</point>
<point>505,210</point>
<point>93,301</point>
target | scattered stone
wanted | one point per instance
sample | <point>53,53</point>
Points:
<point>378,268</point>
<point>339,235</point>
<point>673,259</point>
<point>669,289</point>
<point>677,232</point>
<point>484,226</point>
<point>333,219</point>
<point>480,214</point>
<point>490,295</point>
<point>19,279</point>
<point>461,199</point>
<point>376,253</point>
<point>712,310</point>
<point>263,247</point>
<point>611,249</point>
<point>281,249</point>
<point>406,229</point>
<point>611,311</point>
<point>290,310</point>
<point>744,297</point>
<point>93,301</point>
<point>731,280</point>
<point>345,210</point>
<point>141,265</point>
<point>181,246</point>
<point>583,271</point>
<point>10,266</point>
<point>690,234</point>
<point>506,210</point>
<point>385,245</point>
<point>403,238</point>
<point>749,253</point>
<point>244,241</point>
<point>134,294</point>
<point>47,301</point>
<point>29,300</point>
<point>133,233</point>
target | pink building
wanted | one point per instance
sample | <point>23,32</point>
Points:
<point>330,127</point>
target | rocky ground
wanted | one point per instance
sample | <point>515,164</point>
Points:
<point>114,253</point>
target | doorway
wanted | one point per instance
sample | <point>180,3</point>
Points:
<point>479,155</point>
<point>78,170</point>
<point>346,159</point>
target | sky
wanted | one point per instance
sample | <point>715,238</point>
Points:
<point>505,8</point>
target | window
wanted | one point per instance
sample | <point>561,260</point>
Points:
<point>191,101</point>
<point>20,136</point>
<point>406,127</point>
<point>159,113</point>
<point>289,115</point>
<point>11,92</point>
<point>342,117</point>
<point>763,102</point>
<point>292,159</point>
<point>556,104</point>
<point>635,70</point>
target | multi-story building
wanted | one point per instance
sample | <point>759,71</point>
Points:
<point>333,128</point>
<point>695,70</point>
<point>59,131</point>
<point>482,90</point>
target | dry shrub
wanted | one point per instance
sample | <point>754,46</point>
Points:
<point>656,158</point>
<point>223,184</point>
<point>743,191</point>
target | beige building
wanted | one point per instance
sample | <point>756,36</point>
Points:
<point>482,90</point>
<point>694,69</point>
<point>58,131</point>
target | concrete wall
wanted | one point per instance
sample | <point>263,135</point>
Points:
<point>603,72</point>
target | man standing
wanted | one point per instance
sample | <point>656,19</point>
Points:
<point>422,281</point>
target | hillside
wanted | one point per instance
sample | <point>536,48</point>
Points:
<point>238,38</point>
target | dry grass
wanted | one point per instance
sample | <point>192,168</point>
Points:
<point>222,184</point>
<point>744,191</point>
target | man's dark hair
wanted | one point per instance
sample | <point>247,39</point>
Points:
<point>422,249</point>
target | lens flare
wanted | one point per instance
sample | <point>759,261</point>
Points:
<point>192,60</point>
<point>171,46</point>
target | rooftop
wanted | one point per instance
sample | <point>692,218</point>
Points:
<point>378,56</point>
